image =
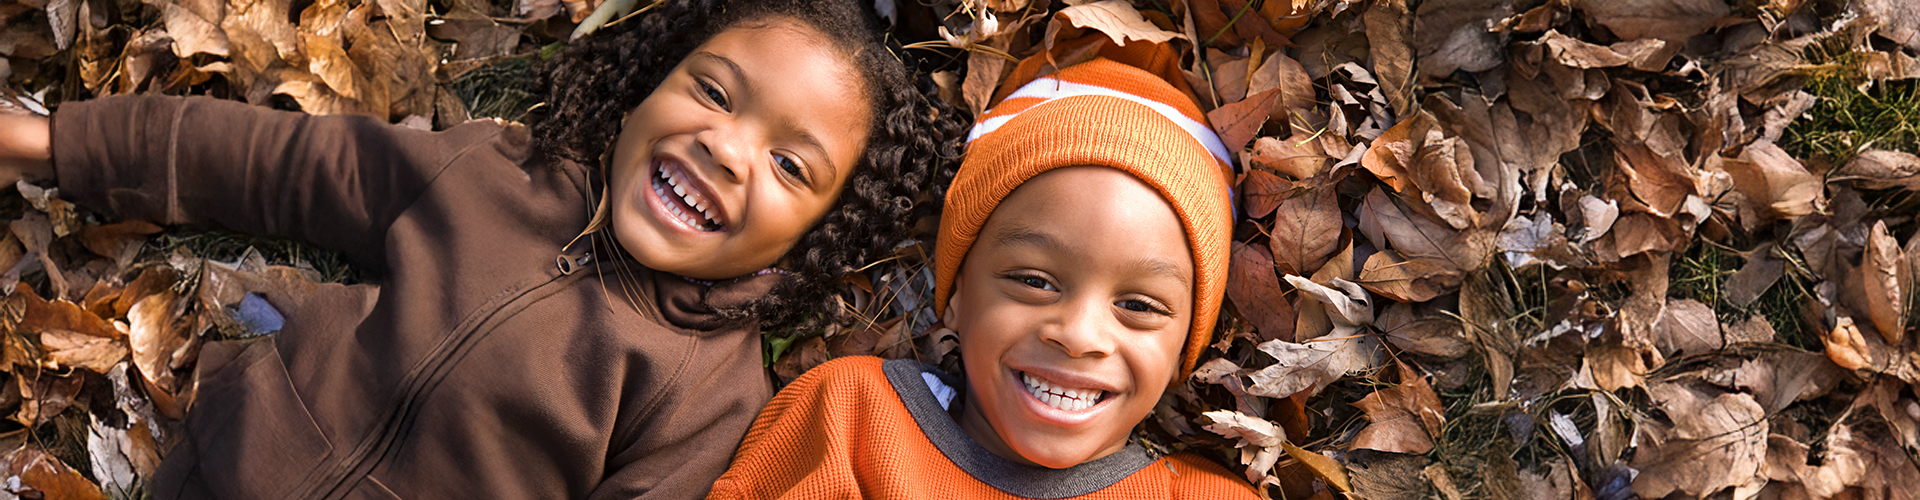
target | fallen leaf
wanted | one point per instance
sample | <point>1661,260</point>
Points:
<point>1248,431</point>
<point>1390,157</point>
<point>1528,241</point>
<point>1716,440</point>
<point>1458,35</point>
<point>1256,294</point>
<point>1306,230</point>
<point>1349,306</point>
<point>1417,280</point>
<point>1755,277</point>
<point>1327,469</point>
<point>1298,160</point>
<point>1845,346</point>
<point>1237,122</point>
<point>1389,26</point>
<point>1776,184</point>
<point>154,335</point>
<point>1309,367</point>
<point>31,471</point>
<point>1686,327</point>
<point>1881,169</point>
<point>1264,191</point>
<point>1672,20</point>
<point>1118,20</point>
<point>1885,278</point>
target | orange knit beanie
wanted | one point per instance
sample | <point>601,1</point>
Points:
<point>1130,109</point>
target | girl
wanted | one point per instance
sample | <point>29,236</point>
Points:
<point>503,352</point>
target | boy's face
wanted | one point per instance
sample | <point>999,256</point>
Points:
<point>1071,308</point>
<point>738,152</point>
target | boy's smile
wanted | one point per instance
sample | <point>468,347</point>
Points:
<point>1072,308</point>
<point>738,152</point>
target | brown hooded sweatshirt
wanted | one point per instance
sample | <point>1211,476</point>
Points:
<point>485,361</point>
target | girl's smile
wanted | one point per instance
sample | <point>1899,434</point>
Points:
<point>738,152</point>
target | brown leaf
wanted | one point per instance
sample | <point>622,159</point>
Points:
<point>67,348</point>
<point>1686,327</point>
<point>35,233</point>
<point>1229,75</point>
<point>1755,277</point>
<point>191,33</point>
<point>1298,160</point>
<point>1716,440</point>
<point>1670,20</point>
<point>1662,182</point>
<point>1579,54</point>
<point>1256,293</point>
<point>1535,240</point>
<point>1118,20</point>
<point>1776,184</point>
<point>1389,35</point>
<point>57,315</point>
<point>1264,191</point>
<point>120,241</point>
<point>1885,277</point>
<point>1306,230</point>
<point>155,334</point>
<point>1327,469</point>
<point>1436,336</point>
<point>1456,35</point>
<point>1309,367</point>
<point>44,474</point>
<point>983,77</point>
<point>1392,154</point>
<point>1418,280</point>
<point>1846,346</point>
<point>1405,418</point>
<point>1237,122</point>
<point>1881,169</point>
<point>805,355</point>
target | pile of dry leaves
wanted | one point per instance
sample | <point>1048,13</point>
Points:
<point>1491,248</point>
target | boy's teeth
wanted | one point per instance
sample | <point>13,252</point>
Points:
<point>1060,397</point>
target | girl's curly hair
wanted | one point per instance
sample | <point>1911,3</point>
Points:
<point>912,145</point>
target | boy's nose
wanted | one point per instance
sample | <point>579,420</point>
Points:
<point>1086,330</point>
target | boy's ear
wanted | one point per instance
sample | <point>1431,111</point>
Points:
<point>953,308</point>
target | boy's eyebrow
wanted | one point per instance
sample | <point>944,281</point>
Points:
<point>1022,235</point>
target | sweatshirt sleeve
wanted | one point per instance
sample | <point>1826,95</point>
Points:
<point>333,181</point>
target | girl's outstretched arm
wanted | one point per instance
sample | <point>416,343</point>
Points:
<point>334,181</point>
<point>26,148</point>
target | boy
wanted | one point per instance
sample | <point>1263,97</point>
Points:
<point>1081,263</point>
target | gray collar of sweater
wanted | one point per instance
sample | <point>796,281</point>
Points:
<point>1014,478</point>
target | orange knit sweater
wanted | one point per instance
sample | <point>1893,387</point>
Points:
<point>846,430</point>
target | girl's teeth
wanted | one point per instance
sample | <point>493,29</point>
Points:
<point>677,189</point>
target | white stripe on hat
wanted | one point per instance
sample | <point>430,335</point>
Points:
<point>1051,89</point>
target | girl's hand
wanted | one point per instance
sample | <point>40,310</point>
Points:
<point>26,148</point>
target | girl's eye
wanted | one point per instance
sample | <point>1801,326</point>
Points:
<point>787,163</point>
<point>714,94</point>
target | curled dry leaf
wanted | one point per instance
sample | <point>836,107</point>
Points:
<point>155,334</point>
<point>1326,468</point>
<point>1237,122</point>
<point>1311,366</point>
<point>1686,327</point>
<point>1846,346</point>
<point>1527,241</point>
<point>1885,278</point>
<point>31,471</point>
<point>1404,418</point>
<point>1348,305</point>
<point>1418,280</point>
<point>1118,20</point>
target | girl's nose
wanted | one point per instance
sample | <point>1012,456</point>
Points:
<point>1087,329</point>
<point>727,150</point>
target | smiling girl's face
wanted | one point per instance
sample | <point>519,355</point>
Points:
<point>738,152</point>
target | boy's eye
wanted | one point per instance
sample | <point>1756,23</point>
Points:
<point>1142,306</point>
<point>791,167</point>
<point>1034,282</point>
<point>714,94</point>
